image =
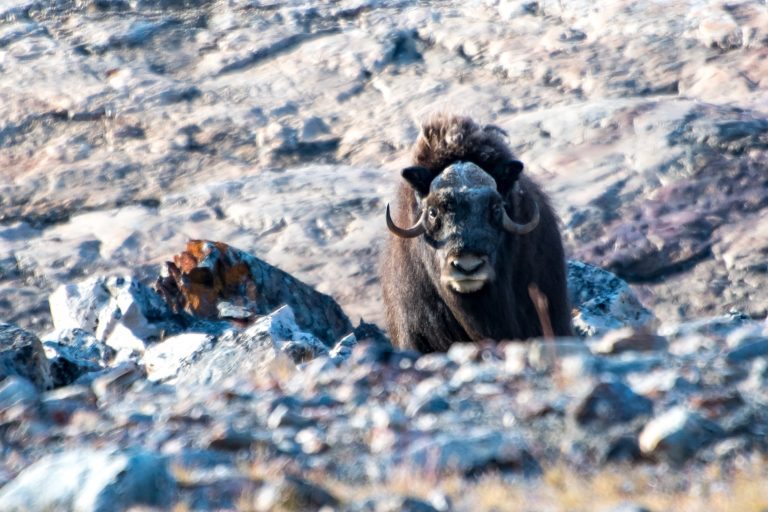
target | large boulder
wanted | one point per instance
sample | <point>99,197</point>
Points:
<point>90,481</point>
<point>215,280</point>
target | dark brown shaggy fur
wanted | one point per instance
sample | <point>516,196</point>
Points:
<point>419,314</point>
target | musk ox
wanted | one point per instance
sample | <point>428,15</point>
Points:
<point>470,235</point>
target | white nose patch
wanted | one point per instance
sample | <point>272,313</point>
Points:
<point>468,263</point>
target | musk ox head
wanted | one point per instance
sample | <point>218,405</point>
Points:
<point>463,221</point>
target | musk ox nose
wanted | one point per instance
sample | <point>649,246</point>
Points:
<point>467,264</point>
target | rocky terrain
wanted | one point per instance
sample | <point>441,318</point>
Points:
<point>129,127</point>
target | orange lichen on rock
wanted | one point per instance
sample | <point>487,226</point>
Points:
<point>203,276</point>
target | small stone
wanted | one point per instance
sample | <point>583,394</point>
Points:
<point>609,403</point>
<point>461,353</point>
<point>626,507</point>
<point>293,493</point>
<point>746,343</point>
<point>544,355</point>
<point>628,339</point>
<point>62,403</point>
<point>677,435</point>
<point>394,503</point>
<point>427,405</point>
<point>311,440</point>
<point>389,416</point>
<point>472,453</point>
<point>515,358</point>
<point>231,439</point>
<point>116,380</point>
<point>720,31</point>
<point>282,416</point>
<point>313,127</point>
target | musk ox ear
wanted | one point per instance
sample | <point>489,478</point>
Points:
<point>506,175</point>
<point>419,178</point>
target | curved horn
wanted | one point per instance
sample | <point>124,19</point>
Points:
<point>522,229</point>
<point>418,229</point>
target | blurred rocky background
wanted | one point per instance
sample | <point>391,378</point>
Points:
<point>129,127</point>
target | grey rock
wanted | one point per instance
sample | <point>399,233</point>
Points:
<point>92,480</point>
<point>72,353</point>
<point>393,504</point>
<point>721,325</point>
<point>274,339</point>
<point>626,506</point>
<point>343,349</point>
<point>472,453</point>
<point>677,434</point>
<point>747,342</point>
<point>61,403</point>
<point>627,339</point>
<point>22,354</point>
<point>610,403</point>
<point>603,301</point>
<point>427,405</point>
<point>294,493</point>
<point>116,380</point>
<point>164,360</point>
<point>544,355</point>
<point>748,349</point>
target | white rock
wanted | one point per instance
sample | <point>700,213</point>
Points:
<point>77,306</point>
<point>163,360</point>
<point>117,310</point>
<point>90,480</point>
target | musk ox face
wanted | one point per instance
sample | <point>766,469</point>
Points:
<point>463,222</point>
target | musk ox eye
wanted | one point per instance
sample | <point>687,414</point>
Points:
<point>432,212</point>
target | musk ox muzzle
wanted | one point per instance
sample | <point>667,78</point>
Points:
<point>467,273</point>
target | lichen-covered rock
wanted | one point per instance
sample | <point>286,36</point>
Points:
<point>90,480</point>
<point>22,354</point>
<point>602,301</point>
<point>205,279</point>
